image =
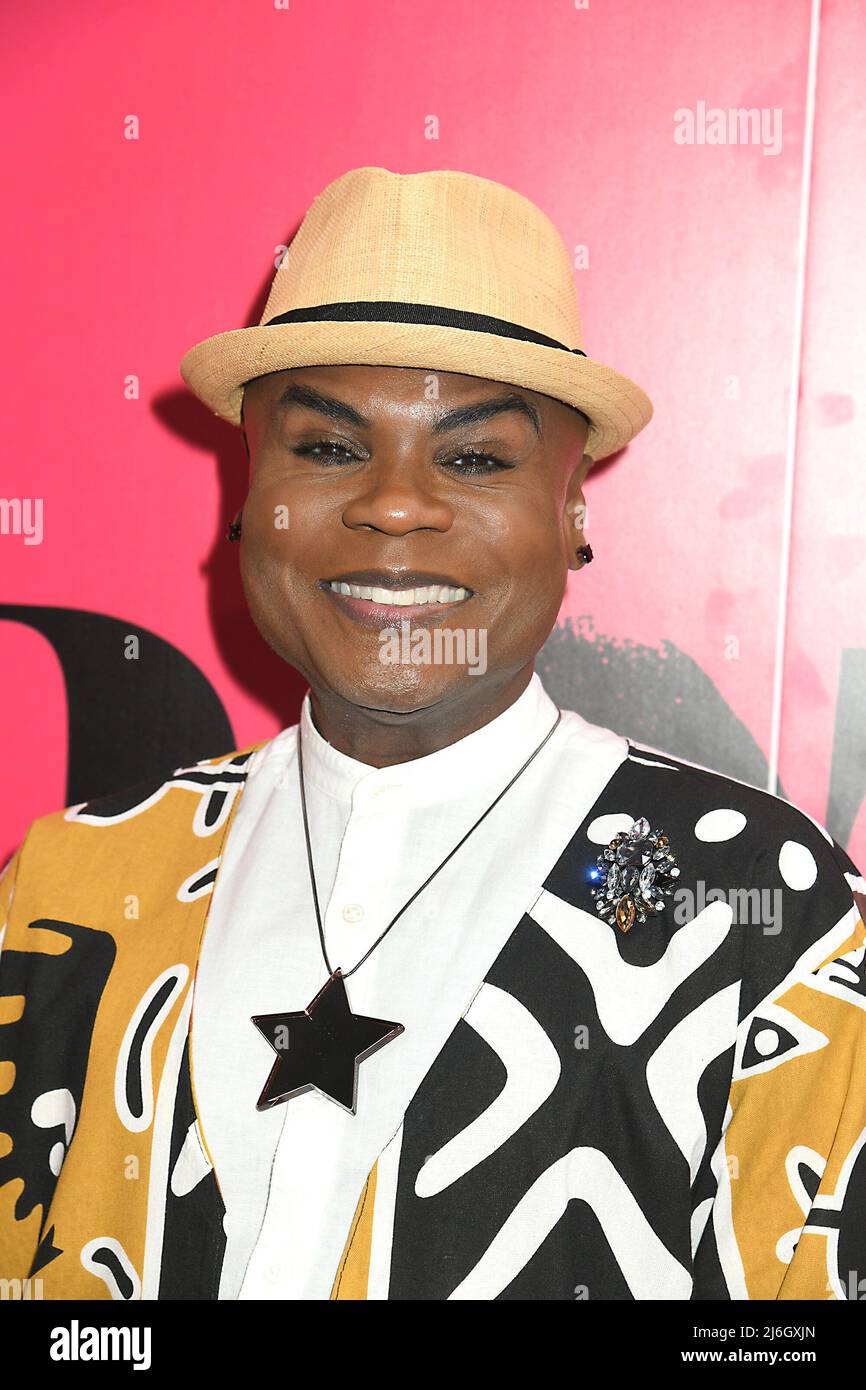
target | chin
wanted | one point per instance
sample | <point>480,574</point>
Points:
<point>398,689</point>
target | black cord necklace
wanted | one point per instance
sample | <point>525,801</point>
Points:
<point>321,1047</point>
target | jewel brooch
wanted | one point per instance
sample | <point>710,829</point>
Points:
<point>633,876</point>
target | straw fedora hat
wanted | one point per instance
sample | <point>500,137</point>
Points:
<point>441,270</point>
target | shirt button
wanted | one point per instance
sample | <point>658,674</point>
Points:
<point>353,912</point>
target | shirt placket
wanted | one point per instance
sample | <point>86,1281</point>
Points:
<point>371,857</point>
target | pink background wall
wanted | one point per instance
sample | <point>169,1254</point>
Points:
<point>724,613</point>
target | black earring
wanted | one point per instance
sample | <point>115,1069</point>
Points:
<point>233,530</point>
<point>585,553</point>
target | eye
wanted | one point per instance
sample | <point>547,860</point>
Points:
<point>326,452</point>
<point>469,463</point>
<point>474,461</point>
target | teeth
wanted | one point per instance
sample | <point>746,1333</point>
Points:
<point>403,598</point>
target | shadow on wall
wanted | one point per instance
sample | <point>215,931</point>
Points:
<point>662,698</point>
<point>655,696</point>
<point>257,669</point>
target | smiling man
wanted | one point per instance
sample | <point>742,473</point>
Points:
<point>443,992</point>
<point>393,517</point>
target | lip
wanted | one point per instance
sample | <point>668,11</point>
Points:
<point>380,615</point>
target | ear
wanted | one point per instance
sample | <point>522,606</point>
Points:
<point>574,514</point>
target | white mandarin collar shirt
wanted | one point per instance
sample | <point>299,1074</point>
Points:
<point>438,792</point>
<point>435,777</point>
<point>290,1177</point>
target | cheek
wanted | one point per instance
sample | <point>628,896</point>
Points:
<point>274,527</point>
<point>524,544</point>
<point>268,567</point>
<point>525,596</point>
<point>262,585</point>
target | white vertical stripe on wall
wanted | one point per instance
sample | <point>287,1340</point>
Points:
<point>794,400</point>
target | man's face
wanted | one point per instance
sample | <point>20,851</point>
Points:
<point>402,481</point>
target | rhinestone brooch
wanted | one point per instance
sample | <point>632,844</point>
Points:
<point>633,876</point>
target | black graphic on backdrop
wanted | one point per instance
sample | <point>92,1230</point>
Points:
<point>128,720</point>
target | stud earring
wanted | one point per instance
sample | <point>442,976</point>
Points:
<point>584,552</point>
<point>233,530</point>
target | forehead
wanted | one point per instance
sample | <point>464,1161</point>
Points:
<point>396,389</point>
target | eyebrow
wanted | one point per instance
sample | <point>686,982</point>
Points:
<point>464,415</point>
<point>325,405</point>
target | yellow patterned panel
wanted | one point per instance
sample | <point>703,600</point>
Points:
<point>354,1271</point>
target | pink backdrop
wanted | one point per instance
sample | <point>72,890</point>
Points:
<point>723,618</point>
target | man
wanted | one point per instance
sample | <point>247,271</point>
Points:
<point>443,993</point>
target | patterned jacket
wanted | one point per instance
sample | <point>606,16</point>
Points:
<point>696,1129</point>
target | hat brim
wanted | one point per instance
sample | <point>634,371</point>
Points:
<point>217,369</point>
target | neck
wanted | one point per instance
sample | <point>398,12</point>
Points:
<point>382,738</point>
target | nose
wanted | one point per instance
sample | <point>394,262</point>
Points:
<point>398,496</point>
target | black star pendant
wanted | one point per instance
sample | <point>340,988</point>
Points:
<point>321,1047</point>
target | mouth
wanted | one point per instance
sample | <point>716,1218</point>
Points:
<point>384,598</point>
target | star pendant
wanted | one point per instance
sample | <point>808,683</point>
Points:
<point>321,1047</point>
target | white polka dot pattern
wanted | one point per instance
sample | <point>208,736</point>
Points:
<point>602,830</point>
<point>797,865</point>
<point>722,824</point>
